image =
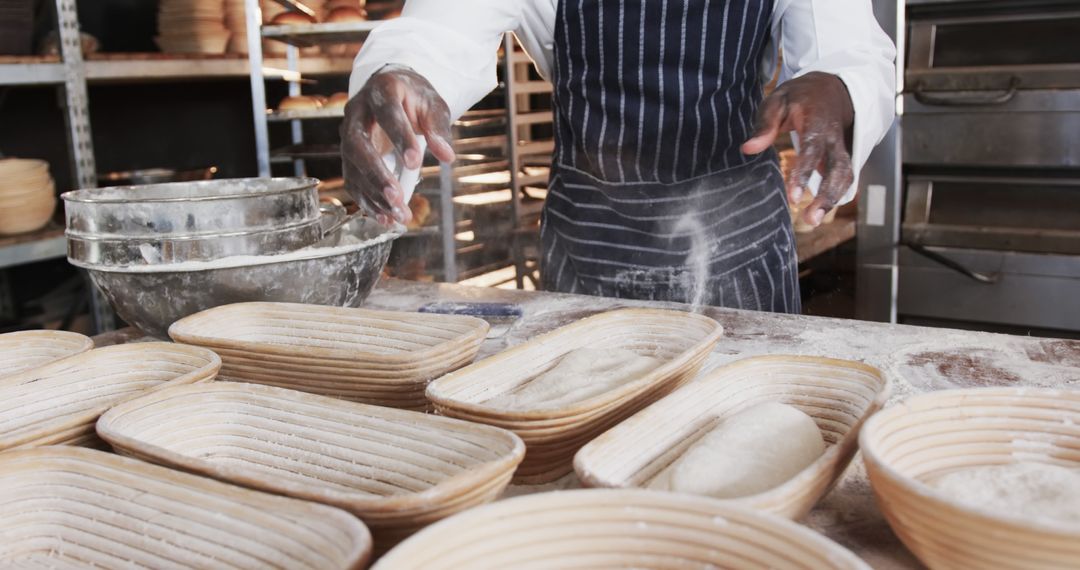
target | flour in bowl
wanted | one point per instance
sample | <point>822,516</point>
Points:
<point>581,374</point>
<point>1026,488</point>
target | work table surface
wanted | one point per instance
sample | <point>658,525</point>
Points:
<point>915,359</point>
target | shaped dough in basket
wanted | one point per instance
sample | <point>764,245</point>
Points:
<point>749,453</point>
<point>581,374</point>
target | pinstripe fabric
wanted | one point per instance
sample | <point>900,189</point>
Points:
<point>650,196</point>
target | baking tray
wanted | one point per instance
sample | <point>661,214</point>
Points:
<point>72,507</point>
<point>838,394</point>
<point>59,402</point>
<point>24,350</point>
<point>609,528</point>
<point>397,470</point>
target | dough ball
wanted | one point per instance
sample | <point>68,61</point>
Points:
<point>749,453</point>
<point>581,374</point>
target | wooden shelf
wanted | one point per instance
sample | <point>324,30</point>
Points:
<point>824,238</point>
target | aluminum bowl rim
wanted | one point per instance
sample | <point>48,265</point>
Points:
<point>80,195</point>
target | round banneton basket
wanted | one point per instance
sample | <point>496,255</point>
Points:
<point>609,528</point>
<point>24,350</point>
<point>908,446</point>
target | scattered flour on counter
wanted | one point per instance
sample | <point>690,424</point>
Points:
<point>1028,489</point>
<point>751,452</point>
<point>581,374</point>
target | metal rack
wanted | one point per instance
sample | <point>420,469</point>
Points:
<point>451,185</point>
<point>69,74</point>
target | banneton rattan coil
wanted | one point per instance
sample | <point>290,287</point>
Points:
<point>616,528</point>
<point>67,507</point>
<point>24,350</point>
<point>376,357</point>
<point>58,403</point>
<point>681,341</point>
<point>397,470</point>
<point>906,447</point>
<point>838,394</point>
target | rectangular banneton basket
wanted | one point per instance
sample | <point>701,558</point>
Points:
<point>24,350</point>
<point>838,394</point>
<point>376,357</point>
<point>70,507</point>
<point>911,444</point>
<point>58,403</point>
<point>397,470</point>
<point>680,340</point>
<point>617,528</point>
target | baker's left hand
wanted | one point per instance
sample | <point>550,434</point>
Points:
<point>818,107</point>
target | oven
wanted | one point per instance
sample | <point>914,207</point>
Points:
<point>989,221</point>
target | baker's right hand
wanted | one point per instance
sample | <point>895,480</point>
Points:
<point>390,110</point>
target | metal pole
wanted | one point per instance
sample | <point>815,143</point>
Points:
<point>447,223</point>
<point>253,15</point>
<point>292,53</point>
<point>80,139</point>
<point>514,159</point>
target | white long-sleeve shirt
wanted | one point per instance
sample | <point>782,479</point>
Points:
<point>454,44</point>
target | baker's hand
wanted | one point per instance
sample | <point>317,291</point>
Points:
<point>818,107</point>
<point>393,107</point>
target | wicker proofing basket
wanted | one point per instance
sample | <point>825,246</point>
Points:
<point>927,436</point>
<point>395,469</point>
<point>58,403</point>
<point>66,507</point>
<point>24,350</point>
<point>552,436</point>
<point>376,357</point>
<point>839,394</point>
<point>607,528</point>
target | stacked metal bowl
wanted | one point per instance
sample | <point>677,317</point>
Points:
<point>160,252</point>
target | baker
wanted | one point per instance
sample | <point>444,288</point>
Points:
<point>664,184</point>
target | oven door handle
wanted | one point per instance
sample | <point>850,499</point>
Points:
<point>988,279</point>
<point>968,100</point>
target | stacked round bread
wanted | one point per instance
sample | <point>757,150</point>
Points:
<point>236,23</point>
<point>27,195</point>
<point>192,26</point>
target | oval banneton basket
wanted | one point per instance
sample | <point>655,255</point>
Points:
<point>58,403</point>
<point>838,394</point>
<point>24,350</point>
<point>397,470</point>
<point>375,357</point>
<point>682,341</point>
<point>909,445</point>
<point>71,507</point>
<point>616,528</point>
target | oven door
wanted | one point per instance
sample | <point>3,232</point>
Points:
<point>1028,290</point>
<point>991,48</point>
<point>1036,214</point>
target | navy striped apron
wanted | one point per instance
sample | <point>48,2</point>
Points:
<point>650,197</point>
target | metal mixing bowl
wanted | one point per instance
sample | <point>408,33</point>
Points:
<point>131,251</point>
<point>153,297</point>
<point>187,209</point>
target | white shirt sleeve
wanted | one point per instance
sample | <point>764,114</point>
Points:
<point>843,38</point>
<point>453,44</point>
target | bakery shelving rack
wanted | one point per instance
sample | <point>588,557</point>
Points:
<point>482,180</point>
